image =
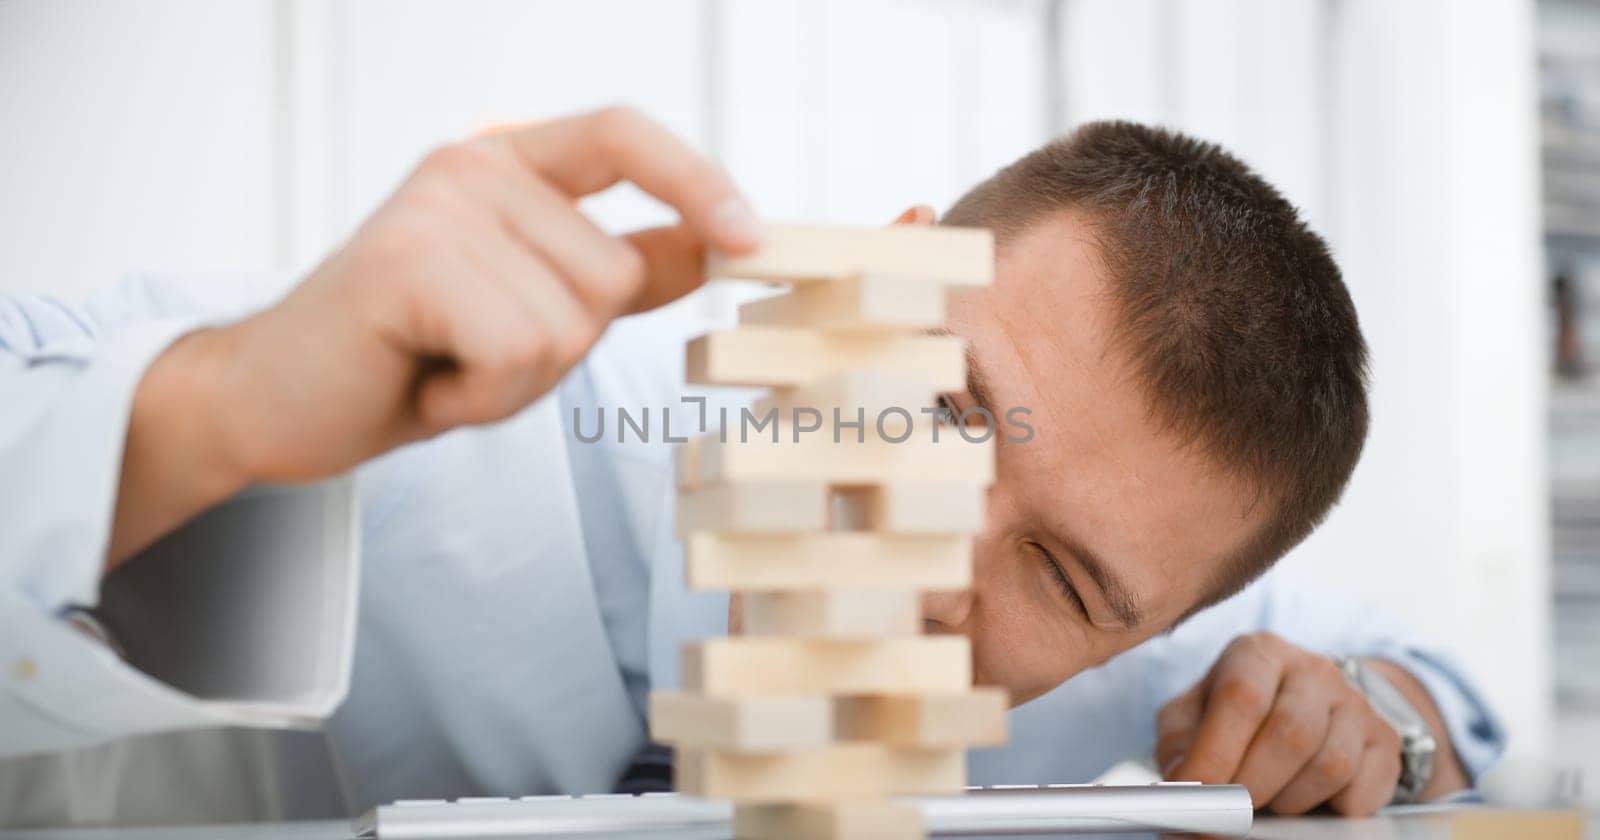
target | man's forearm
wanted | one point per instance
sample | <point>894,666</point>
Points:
<point>174,461</point>
<point>1448,774</point>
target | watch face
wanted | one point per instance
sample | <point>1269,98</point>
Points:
<point>1416,767</point>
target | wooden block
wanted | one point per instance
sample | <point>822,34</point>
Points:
<point>799,253</point>
<point>945,507</point>
<point>837,771</point>
<point>865,819</point>
<point>686,463</point>
<point>745,724</point>
<point>753,666</point>
<point>857,561</point>
<point>817,456</point>
<point>785,356</point>
<point>833,613</point>
<point>970,718</point>
<point>853,304</point>
<point>1502,824</point>
<point>862,396</point>
<point>757,507</point>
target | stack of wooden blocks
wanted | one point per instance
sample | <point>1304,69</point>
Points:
<point>827,527</point>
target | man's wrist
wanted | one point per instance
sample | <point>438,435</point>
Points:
<point>179,457</point>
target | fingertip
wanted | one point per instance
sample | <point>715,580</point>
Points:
<point>916,214</point>
<point>735,225</point>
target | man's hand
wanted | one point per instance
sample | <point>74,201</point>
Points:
<point>1285,723</point>
<point>463,299</point>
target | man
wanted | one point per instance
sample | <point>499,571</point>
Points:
<point>1190,357</point>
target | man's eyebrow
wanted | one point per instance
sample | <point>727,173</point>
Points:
<point>977,387</point>
<point>1116,593</point>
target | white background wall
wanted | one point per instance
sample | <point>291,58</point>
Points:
<point>133,136</point>
<point>184,134</point>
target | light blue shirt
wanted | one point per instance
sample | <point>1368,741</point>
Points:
<point>520,591</point>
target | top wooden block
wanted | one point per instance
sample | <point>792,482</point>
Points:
<point>798,253</point>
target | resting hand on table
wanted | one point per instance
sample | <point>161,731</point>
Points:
<point>1285,723</point>
<point>464,298</point>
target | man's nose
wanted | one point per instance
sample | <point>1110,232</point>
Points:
<point>946,612</point>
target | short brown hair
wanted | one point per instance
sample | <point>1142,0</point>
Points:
<point>1231,309</point>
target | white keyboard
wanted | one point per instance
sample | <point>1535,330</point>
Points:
<point>1002,809</point>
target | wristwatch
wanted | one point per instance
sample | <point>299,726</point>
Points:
<point>1417,745</point>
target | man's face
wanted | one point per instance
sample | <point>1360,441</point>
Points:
<point>1102,530</point>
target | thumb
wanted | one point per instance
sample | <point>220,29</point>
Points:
<point>674,265</point>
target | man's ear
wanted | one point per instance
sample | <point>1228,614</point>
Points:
<point>916,214</point>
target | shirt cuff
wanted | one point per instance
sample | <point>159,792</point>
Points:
<point>243,617</point>
<point>61,454</point>
<point>257,626</point>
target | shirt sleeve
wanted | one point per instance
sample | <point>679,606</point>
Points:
<point>66,387</point>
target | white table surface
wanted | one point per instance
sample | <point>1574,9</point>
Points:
<point>1412,826</point>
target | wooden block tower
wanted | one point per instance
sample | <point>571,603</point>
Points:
<point>827,521</point>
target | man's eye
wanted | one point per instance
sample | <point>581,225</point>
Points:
<point>1062,582</point>
<point>947,413</point>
